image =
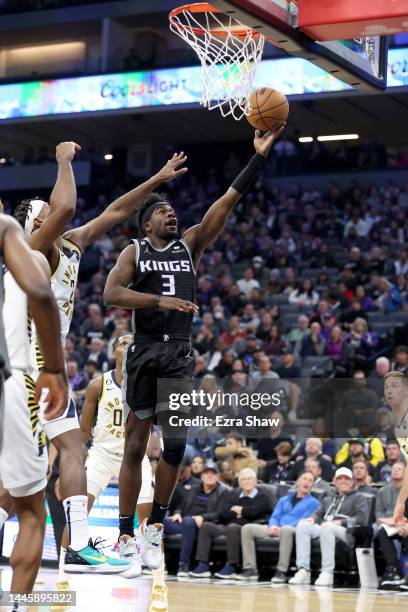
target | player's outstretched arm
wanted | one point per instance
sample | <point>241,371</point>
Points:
<point>213,223</point>
<point>126,205</point>
<point>62,201</point>
<point>118,294</point>
<point>88,412</point>
<point>33,276</point>
<point>399,518</point>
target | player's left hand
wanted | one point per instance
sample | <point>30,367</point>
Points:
<point>263,143</point>
<point>172,169</point>
<point>52,389</point>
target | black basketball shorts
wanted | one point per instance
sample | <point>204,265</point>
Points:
<point>147,362</point>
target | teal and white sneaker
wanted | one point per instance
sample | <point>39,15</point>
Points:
<point>129,550</point>
<point>151,537</point>
<point>90,560</point>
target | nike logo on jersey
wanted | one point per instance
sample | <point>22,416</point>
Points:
<point>150,265</point>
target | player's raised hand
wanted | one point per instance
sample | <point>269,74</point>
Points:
<point>263,143</point>
<point>399,518</point>
<point>173,168</point>
<point>52,390</point>
<point>65,151</point>
<point>173,303</point>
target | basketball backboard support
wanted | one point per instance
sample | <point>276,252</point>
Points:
<point>360,62</point>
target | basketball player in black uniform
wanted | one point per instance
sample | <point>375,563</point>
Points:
<point>155,277</point>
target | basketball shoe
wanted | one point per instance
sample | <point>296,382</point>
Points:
<point>129,550</point>
<point>91,560</point>
<point>152,536</point>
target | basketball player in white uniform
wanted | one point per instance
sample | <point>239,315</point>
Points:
<point>103,409</point>
<point>23,455</point>
<point>44,225</point>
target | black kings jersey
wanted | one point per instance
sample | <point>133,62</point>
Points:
<point>168,272</point>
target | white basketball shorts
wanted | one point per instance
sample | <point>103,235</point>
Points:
<point>102,466</point>
<point>23,456</point>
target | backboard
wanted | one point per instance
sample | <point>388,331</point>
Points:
<point>360,62</point>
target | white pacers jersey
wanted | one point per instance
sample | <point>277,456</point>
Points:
<point>63,285</point>
<point>109,431</point>
<point>16,323</point>
<point>401,433</point>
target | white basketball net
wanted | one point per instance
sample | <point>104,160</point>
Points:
<point>228,60</point>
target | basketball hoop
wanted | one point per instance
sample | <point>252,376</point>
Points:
<point>229,53</point>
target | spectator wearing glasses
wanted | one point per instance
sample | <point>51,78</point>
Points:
<point>282,524</point>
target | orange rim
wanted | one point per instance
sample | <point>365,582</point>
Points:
<point>205,7</point>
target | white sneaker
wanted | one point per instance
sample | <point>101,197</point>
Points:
<point>152,536</point>
<point>325,579</point>
<point>158,600</point>
<point>129,550</point>
<point>302,576</point>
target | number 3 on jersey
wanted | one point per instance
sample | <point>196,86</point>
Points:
<point>169,285</point>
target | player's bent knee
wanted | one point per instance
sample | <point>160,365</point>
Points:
<point>173,451</point>
<point>134,453</point>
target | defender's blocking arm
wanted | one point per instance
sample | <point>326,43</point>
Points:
<point>123,207</point>
<point>62,202</point>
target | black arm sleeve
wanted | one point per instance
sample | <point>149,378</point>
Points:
<point>246,177</point>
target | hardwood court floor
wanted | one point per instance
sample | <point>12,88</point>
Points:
<point>113,593</point>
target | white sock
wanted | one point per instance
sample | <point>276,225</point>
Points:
<point>76,512</point>
<point>3,517</point>
<point>62,576</point>
<point>158,575</point>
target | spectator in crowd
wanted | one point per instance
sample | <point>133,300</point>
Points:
<point>184,485</point>
<point>376,378</point>
<point>331,521</point>
<point>296,335</point>
<point>266,446</point>
<point>265,369</point>
<point>360,448</point>
<point>304,295</point>
<point>388,532</point>
<point>389,299</point>
<point>361,477</point>
<point>234,332</point>
<point>334,344</point>
<point>319,430</point>
<point>282,524</point>
<point>77,380</point>
<point>247,504</point>
<point>289,370</point>
<point>358,402</point>
<point>321,487</point>
<point>313,450</point>
<point>94,326</point>
<point>98,354</point>
<point>248,282</point>
<point>235,450</point>
<point>401,264</point>
<point>400,363</point>
<point>393,455</point>
<point>224,367</point>
<point>203,502</point>
<point>227,474</point>
<point>312,343</point>
<point>278,469</point>
<point>197,466</point>
<point>275,344</point>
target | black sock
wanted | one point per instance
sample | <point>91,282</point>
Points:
<point>157,514</point>
<point>126,522</point>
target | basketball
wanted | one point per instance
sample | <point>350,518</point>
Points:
<point>269,109</point>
